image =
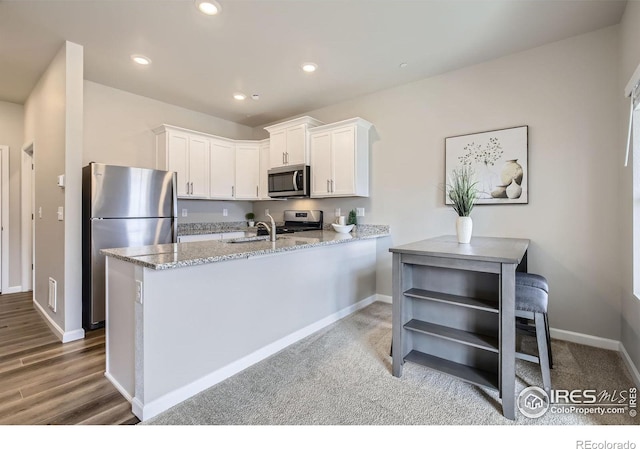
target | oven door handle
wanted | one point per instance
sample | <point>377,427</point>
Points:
<point>295,180</point>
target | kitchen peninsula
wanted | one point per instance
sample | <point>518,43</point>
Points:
<point>183,317</point>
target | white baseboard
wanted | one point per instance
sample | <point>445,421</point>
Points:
<point>384,298</point>
<point>10,290</point>
<point>119,387</point>
<point>633,370</point>
<point>584,339</point>
<point>153,408</point>
<point>64,337</point>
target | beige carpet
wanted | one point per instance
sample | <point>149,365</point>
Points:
<point>341,375</point>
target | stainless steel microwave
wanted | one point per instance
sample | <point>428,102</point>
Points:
<point>291,181</point>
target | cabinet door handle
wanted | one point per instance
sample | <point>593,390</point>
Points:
<point>287,153</point>
<point>187,188</point>
<point>257,193</point>
<point>283,162</point>
<point>233,191</point>
<point>191,188</point>
<point>328,186</point>
<point>332,189</point>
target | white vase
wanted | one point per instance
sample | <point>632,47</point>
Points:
<point>464,227</point>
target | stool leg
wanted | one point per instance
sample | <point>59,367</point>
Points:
<point>546,325</point>
<point>543,350</point>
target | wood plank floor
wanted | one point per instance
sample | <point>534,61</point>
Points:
<point>43,381</point>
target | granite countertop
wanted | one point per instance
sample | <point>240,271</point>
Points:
<point>176,255</point>
<point>213,228</point>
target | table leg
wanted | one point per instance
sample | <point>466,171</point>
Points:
<point>508,339</point>
<point>396,323</point>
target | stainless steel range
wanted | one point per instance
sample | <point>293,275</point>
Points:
<point>298,220</point>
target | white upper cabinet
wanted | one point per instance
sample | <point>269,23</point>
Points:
<point>188,155</point>
<point>247,171</point>
<point>222,169</point>
<point>289,141</point>
<point>339,155</point>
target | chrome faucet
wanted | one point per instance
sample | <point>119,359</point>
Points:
<point>271,230</point>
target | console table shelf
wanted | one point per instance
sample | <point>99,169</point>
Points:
<point>454,310</point>
<point>464,372</point>
<point>479,341</point>
<point>463,301</point>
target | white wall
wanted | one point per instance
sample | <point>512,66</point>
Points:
<point>53,122</point>
<point>629,60</point>
<point>118,130</point>
<point>567,93</point>
<point>12,134</point>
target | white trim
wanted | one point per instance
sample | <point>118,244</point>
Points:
<point>14,289</point>
<point>387,299</point>
<point>633,82</point>
<point>64,337</point>
<point>633,370</point>
<point>4,257</point>
<point>584,339</point>
<point>26,205</point>
<point>151,409</point>
<point>119,387</point>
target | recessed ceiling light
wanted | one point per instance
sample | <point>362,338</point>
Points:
<point>210,8</point>
<point>309,67</point>
<point>255,97</point>
<point>403,65</point>
<point>239,96</point>
<point>142,60</point>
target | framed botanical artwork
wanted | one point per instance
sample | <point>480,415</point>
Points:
<point>498,160</point>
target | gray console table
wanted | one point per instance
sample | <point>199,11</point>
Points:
<point>454,309</point>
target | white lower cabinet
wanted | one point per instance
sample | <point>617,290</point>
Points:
<point>340,159</point>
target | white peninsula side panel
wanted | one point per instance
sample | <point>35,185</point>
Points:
<point>196,326</point>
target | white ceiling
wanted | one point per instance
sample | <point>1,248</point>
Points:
<point>257,46</point>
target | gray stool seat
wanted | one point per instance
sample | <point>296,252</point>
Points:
<point>532,280</point>
<point>532,301</point>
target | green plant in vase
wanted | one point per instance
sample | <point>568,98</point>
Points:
<point>250,216</point>
<point>353,218</point>
<point>462,191</point>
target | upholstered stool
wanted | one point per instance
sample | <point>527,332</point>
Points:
<point>532,299</point>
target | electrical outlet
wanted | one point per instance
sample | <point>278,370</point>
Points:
<point>139,292</point>
<point>184,212</point>
<point>337,212</point>
<point>60,213</point>
<point>225,212</point>
<point>359,211</point>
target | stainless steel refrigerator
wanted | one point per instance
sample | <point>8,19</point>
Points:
<point>121,207</point>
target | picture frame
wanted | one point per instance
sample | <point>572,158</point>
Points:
<point>499,160</point>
